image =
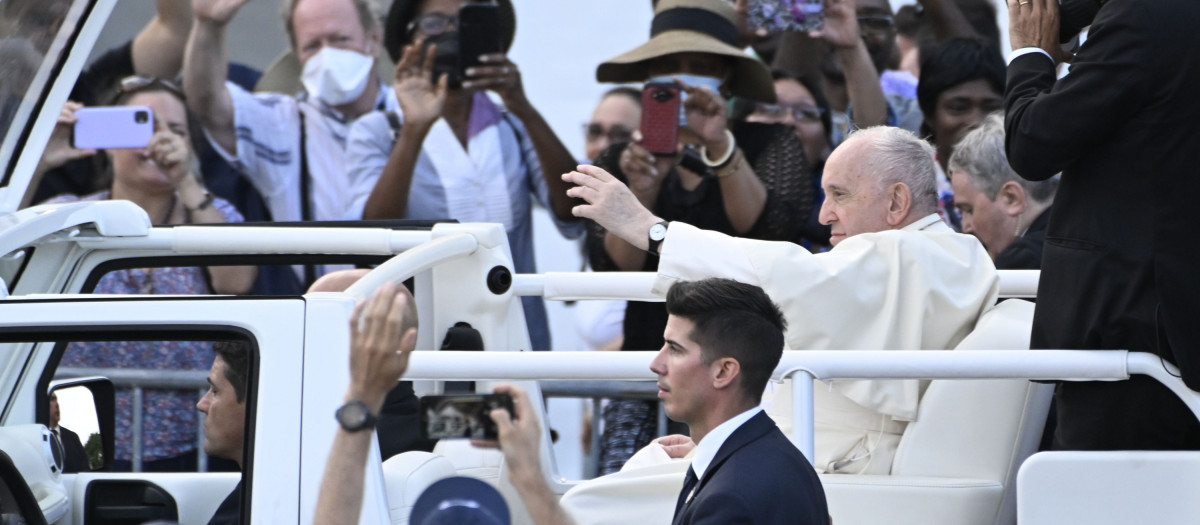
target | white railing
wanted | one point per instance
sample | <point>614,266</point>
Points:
<point>805,366</point>
<point>635,286</point>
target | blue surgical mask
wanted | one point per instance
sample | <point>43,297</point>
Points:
<point>712,83</point>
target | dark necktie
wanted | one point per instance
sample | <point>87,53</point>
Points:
<point>689,483</point>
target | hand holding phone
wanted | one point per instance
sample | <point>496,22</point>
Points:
<point>113,127</point>
<point>661,112</point>
<point>465,416</point>
<point>478,34</point>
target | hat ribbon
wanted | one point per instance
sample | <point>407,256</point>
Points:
<point>695,19</point>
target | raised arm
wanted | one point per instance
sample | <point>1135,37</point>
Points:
<point>172,152</point>
<point>503,77</point>
<point>421,102</point>
<point>519,440</point>
<point>206,69</point>
<point>862,79</point>
<point>158,48</point>
<point>742,193</point>
<point>383,332</point>
<point>645,174</point>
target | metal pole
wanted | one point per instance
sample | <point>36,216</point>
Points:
<point>137,429</point>
<point>201,456</point>
<point>802,413</point>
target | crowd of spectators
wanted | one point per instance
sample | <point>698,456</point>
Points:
<point>755,133</point>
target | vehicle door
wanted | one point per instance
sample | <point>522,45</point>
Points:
<point>36,332</point>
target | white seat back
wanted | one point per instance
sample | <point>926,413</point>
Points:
<point>407,475</point>
<point>1068,488</point>
<point>980,429</point>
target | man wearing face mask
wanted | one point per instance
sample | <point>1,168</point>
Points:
<point>291,147</point>
<point>451,152</point>
<point>748,180</point>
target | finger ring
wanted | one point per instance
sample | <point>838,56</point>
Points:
<point>1026,2</point>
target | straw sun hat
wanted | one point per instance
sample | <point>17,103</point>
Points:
<point>699,26</point>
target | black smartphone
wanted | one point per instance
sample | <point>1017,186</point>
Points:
<point>461,416</point>
<point>661,107</point>
<point>478,34</point>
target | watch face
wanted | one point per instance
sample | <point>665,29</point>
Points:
<point>353,415</point>
<point>658,232</point>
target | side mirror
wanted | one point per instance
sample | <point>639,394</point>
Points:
<point>86,419</point>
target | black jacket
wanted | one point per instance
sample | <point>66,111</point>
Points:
<point>1123,128</point>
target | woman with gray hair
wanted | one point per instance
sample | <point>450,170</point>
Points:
<point>1005,211</point>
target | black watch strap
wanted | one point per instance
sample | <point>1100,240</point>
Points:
<point>657,233</point>
<point>355,416</point>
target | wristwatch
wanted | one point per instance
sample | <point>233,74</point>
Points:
<point>355,416</point>
<point>658,232</point>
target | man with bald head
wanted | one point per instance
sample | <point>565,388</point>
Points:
<point>897,278</point>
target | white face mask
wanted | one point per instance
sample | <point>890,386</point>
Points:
<point>337,76</point>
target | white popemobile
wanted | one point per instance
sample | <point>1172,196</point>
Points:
<point>965,460</point>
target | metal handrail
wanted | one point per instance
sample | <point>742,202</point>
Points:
<point>636,286</point>
<point>806,366</point>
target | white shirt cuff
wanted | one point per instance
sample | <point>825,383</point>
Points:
<point>1026,51</point>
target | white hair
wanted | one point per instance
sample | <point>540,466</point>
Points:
<point>897,155</point>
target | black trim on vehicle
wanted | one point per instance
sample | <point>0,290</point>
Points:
<point>12,286</point>
<point>18,488</point>
<point>173,261</point>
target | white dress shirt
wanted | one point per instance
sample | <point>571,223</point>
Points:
<point>708,447</point>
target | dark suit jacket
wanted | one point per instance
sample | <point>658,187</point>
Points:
<point>75,459</point>
<point>1124,129</point>
<point>759,477</point>
<point>1025,252</point>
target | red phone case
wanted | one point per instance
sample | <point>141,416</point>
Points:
<point>660,118</point>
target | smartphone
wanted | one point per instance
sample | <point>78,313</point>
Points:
<point>113,127</point>
<point>478,34</point>
<point>661,109</point>
<point>785,15</point>
<point>461,416</point>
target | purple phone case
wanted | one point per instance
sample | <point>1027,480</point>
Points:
<point>113,127</point>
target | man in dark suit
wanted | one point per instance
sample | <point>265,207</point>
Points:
<point>74,456</point>
<point>1124,128</point>
<point>723,340</point>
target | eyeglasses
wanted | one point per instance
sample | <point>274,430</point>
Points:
<point>433,24</point>
<point>803,113</point>
<point>615,134</point>
<point>876,23</point>
<point>136,84</point>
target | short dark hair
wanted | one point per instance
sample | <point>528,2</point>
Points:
<point>954,62</point>
<point>403,12</point>
<point>236,355</point>
<point>732,319</point>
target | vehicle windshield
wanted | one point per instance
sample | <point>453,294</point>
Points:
<point>34,36</point>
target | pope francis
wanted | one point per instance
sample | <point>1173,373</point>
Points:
<point>897,278</point>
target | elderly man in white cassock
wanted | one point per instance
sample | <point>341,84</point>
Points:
<point>897,278</point>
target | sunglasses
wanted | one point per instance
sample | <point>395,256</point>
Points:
<point>615,134</point>
<point>433,24</point>
<point>137,84</point>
